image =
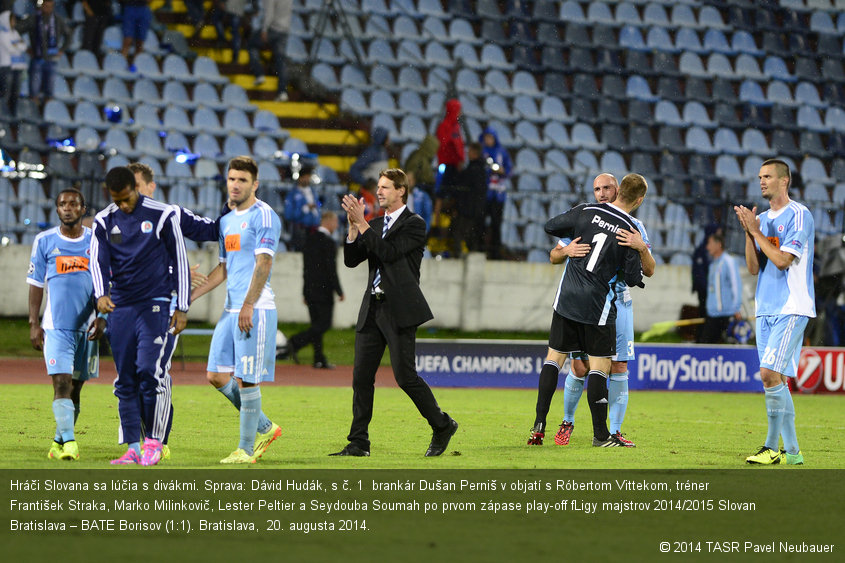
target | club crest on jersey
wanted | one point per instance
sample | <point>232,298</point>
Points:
<point>780,228</point>
<point>243,226</point>
<point>52,361</point>
<point>146,227</point>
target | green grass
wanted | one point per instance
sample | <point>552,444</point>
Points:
<point>673,430</point>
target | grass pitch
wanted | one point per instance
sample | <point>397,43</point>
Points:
<point>672,430</point>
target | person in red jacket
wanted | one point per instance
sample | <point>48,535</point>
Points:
<point>450,155</point>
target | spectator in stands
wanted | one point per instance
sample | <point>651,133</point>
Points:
<point>97,18</point>
<point>700,269</point>
<point>420,165</point>
<point>368,194</point>
<point>49,38</point>
<point>373,159</point>
<point>450,153</point>
<point>196,15</point>
<point>12,64</point>
<point>137,18</point>
<point>231,12</point>
<point>421,204</point>
<point>498,163</point>
<point>468,212</point>
<point>724,291</point>
<point>302,209</point>
<point>275,26</point>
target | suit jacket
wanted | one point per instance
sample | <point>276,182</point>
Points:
<point>398,256</point>
<point>319,275</point>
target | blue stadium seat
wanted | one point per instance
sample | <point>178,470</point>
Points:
<point>691,65</point>
<point>655,15</point>
<point>775,68</point>
<point>743,42</point>
<point>667,113</point>
<point>751,92</point>
<point>658,39</point>
<point>631,38</point>
<point>747,67</point>
<point>696,114</point>
<point>687,39</point>
<point>716,42</point>
<point>570,10</point>
<point>726,142</point>
<point>638,88</point>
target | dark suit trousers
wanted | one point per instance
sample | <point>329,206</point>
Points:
<point>321,321</point>
<point>379,331</point>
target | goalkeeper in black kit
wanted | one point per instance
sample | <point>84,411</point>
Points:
<point>584,317</point>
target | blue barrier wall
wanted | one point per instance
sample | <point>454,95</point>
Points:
<point>663,367</point>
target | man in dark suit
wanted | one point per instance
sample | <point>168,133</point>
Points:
<point>319,284</point>
<point>392,309</point>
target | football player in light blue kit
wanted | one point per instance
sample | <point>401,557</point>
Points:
<point>59,263</point>
<point>244,341</point>
<point>779,250</point>
<point>605,189</point>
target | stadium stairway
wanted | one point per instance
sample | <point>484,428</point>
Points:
<point>309,116</point>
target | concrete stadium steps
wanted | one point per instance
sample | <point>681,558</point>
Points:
<point>336,140</point>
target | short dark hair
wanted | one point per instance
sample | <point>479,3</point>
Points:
<point>781,167</point>
<point>145,170</point>
<point>399,179</point>
<point>244,164</point>
<point>71,191</point>
<point>718,237</point>
<point>120,178</point>
<point>632,187</point>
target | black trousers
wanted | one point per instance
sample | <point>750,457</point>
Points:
<point>321,321</point>
<point>713,330</point>
<point>379,331</point>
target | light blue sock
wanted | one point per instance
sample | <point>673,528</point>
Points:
<point>775,405</point>
<point>787,429</point>
<point>232,392</point>
<point>572,389</point>
<point>63,413</point>
<point>617,397</point>
<point>136,446</point>
<point>250,410</point>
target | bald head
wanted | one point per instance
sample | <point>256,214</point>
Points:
<point>605,188</point>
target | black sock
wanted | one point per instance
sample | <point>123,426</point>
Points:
<point>597,397</point>
<point>75,412</point>
<point>545,391</point>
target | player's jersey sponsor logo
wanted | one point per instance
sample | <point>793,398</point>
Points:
<point>70,264</point>
<point>265,240</point>
<point>233,242</point>
<point>115,236</point>
<point>146,227</point>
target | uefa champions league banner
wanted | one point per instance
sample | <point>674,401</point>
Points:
<point>663,367</point>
